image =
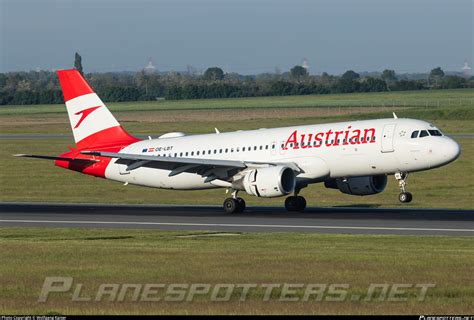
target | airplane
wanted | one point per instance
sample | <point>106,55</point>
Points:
<point>354,157</point>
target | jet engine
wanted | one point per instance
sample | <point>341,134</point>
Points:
<point>270,182</point>
<point>359,186</point>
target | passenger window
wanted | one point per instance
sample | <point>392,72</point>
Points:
<point>215,151</point>
<point>266,147</point>
<point>180,154</point>
<point>414,134</point>
<point>192,153</point>
<point>186,154</point>
<point>226,150</point>
<point>243,148</point>
<point>261,147</point>
<point>220,151</point>
<point>273,146</point>
<point>255,148</point>
<point>423,133</point>
<point>197,153</point>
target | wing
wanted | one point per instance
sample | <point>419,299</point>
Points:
<point>211,168</point>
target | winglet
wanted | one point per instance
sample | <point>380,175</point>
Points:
<point>217,131</point>
<point>394,115</point>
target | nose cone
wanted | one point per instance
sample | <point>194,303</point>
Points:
<point>452,151</point>
<point>449,150</point>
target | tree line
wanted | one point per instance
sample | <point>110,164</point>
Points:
<point>18,88</point>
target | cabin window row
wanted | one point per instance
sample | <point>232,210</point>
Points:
<point>219,151</point>
<point>256,148</point>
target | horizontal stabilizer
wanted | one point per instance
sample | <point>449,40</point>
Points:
<point>53,158</point>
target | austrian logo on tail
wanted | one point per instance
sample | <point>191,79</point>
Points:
<point>84,113</point>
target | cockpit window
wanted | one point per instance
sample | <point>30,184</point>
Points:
<point>423,133</point>
<point>435,133</point>
<point>414,134</point>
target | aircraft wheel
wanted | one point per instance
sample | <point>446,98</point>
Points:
<point>301,203</point>
<point>405,197</point>
<point>241,205</point>
<point>293,203</point>
<point>231,205</point>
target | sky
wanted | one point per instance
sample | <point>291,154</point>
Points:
<point>245,36</point>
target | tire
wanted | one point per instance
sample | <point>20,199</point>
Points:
<point>231,205</point>
<point>301,203</point>
<point>241,205</point>
<point>291,203</point>
<point>405,197</point>
<point>410,197</point>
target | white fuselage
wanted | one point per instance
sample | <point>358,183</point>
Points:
<point>382,146</point>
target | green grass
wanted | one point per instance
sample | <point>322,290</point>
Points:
<point>96,256</point>
<point>450,119</point>
<point>459,97</point>
<point>452,110</point>
<point>25,179</point>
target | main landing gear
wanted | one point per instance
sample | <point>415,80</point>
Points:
<point>237,205</point>
<point>404,196</point>
<point>296,202</point>
<point>234,204</point>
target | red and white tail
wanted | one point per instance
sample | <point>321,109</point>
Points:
<point>91,121</point>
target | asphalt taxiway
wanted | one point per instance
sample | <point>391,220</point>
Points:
<point>354,220</point>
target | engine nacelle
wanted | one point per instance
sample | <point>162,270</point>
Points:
<point>270,182</point>
<point>359,186</point>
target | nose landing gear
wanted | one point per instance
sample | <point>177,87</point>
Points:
<point>404,196</point>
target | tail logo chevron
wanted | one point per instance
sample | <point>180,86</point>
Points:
<point>84,113</point>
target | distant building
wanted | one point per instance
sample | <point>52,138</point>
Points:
<point>150,68</point>
<point>305,64</point>
<point>466,69</point>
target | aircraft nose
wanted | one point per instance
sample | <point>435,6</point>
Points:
<point>450,150</point>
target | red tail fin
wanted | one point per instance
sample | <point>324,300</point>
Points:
<point>91,121</point>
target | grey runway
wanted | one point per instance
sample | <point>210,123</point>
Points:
<point>353,220</point>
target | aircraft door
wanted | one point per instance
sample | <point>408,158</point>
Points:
<point>387,138</point>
